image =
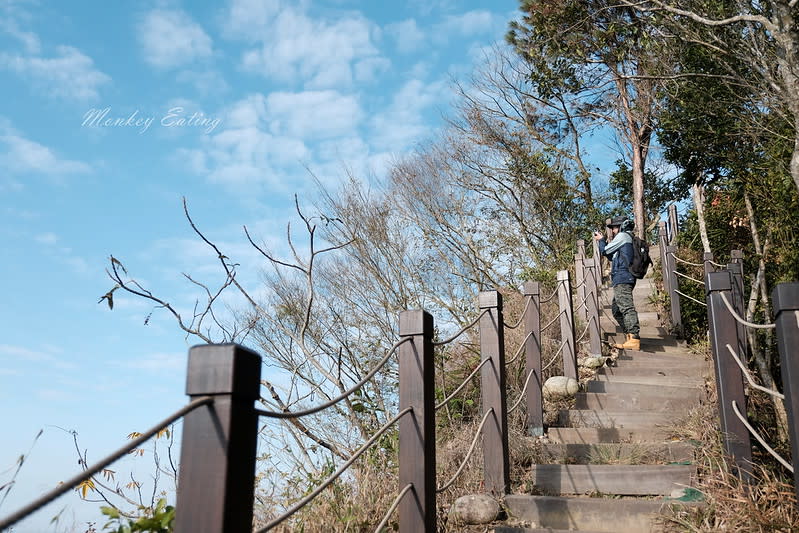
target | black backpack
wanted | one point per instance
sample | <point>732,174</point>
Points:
<point>641,260</point>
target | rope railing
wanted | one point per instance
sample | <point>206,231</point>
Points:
<point>322,486</point>
<point>89,472</point>
<point>529,300</point>
<point>446,400</point>
<point>679,259</point>
<point>748,376</point>
<point>587,327</point>
<point>549,298</point>
<point>756,435</point>
<point>554,357</point>
<point>552,321</point>
<point>345,394</point>
<point>582,304</point>
<point>449,483</point>
<point>461,331</point>
<point>519,350</point>
<point>689,277</point>
<point>522,395</point>
<point>690,298</point>
<point>741,320</point>
<point>393,508</point>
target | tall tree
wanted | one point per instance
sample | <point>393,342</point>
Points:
<point>605,58</point>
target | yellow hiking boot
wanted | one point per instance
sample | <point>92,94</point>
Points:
<point>632,343</point>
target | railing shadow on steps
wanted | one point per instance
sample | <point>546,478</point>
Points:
<point>727,332</point>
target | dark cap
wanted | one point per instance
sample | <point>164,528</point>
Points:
<point>616,221</point>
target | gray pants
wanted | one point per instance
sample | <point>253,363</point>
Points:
<point>624,309</point>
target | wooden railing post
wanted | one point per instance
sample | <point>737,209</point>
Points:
<point>662,243</point>
<point>674,297</point>
<point>567,324</point>
<point>707,259</point>
<point>597,261</point>
<point>592,310</point>
<point>673,226</point>
<point>532,355</point>
<point>579,280</point>
<point>785,299</point>
<point>417,439</point>
<point>737,277</point>
<point>729,378</point>
<point>217,459</point>
<point>492,379</point>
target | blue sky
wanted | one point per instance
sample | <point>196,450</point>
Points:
<point>111,112</point>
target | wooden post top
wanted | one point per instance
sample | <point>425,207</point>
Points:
<point>224,369</point>
<point>488,299</point>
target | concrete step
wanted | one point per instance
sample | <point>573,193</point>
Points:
<point>592,418</point>
<point>617,453</point>
<point>661,380</point>
<point>591,514</point>
<point>622,388</point>
<point>648,341</point>
<point>609,435</point>
<point>621,480</point>
<point>642,401</point>
<point>631,357</point>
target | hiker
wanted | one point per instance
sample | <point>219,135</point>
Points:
<point>620,253</point>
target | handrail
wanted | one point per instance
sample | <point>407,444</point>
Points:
<point>521,317</point>
<point>323,406</point>
<point>675,256</point>
<point>464,328</point>
<point>554,357</point>
<point>518,350</point>
<point>737,317</point>
<point>69,484</point>
<point>748,376</point>
<point>314,493</point>
<point>391,509</point>
<point>446,400</point>
<point>449,483</point>
<point>689,277</point>
<point>522,394</point>
<point>756,435</point>
<point>548,298</point>
<point>552,321</point>
<point>690,297</point>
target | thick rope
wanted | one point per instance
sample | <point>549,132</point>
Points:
<point>548,298</point>
<point>759,438</point>
<point>522,395</point>
<point>393,507</point>
<point>521,318</point>
<point>686,262</point>
<point>313,494</point>
<point>554,357</point>
<point>741,320</point>
<point>468,454</point>
<point>321,407</point>
<point>689,277</point>
<point>464,328</point>
<point>748,376</point>
<point>690,298</point>
<point>519,351</point>
<point>465,381</point>
<point>552,321</point>
<point>97,467</point>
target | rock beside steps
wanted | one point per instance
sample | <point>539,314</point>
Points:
<point>613,465</point>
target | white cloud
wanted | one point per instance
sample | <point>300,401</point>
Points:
<point>407,34</point>
<point>292,45</point>
<point>468,24</point>
<point>70,74</point>
<point>171,38</point>
<point>46,238</point>
<point>313,114</point>
<point>404,121</point>
<point>19,155</point>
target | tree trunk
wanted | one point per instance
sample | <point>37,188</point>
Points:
<point>639,212</point>
<point>698,193</point>
<point>787,40</point>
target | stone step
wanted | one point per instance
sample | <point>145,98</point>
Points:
<point>646,331</point>
<point>507,529</point>
<point>622,388</point>
<point>620,480</point>
<point>647,401</point>
<point>591,514</point>
<point>665,381</point>
<point>648,341</point>
<point>630,357</point>
<point>593,418</point>
<point>617,453</point>
<point>609,435</point>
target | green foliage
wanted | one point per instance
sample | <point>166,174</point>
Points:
<point>661,191</point>
<point>160,519</point>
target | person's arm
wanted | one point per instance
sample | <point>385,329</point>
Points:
<point>618,241</point>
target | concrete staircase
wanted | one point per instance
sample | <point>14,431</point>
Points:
<point>613,464</point>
